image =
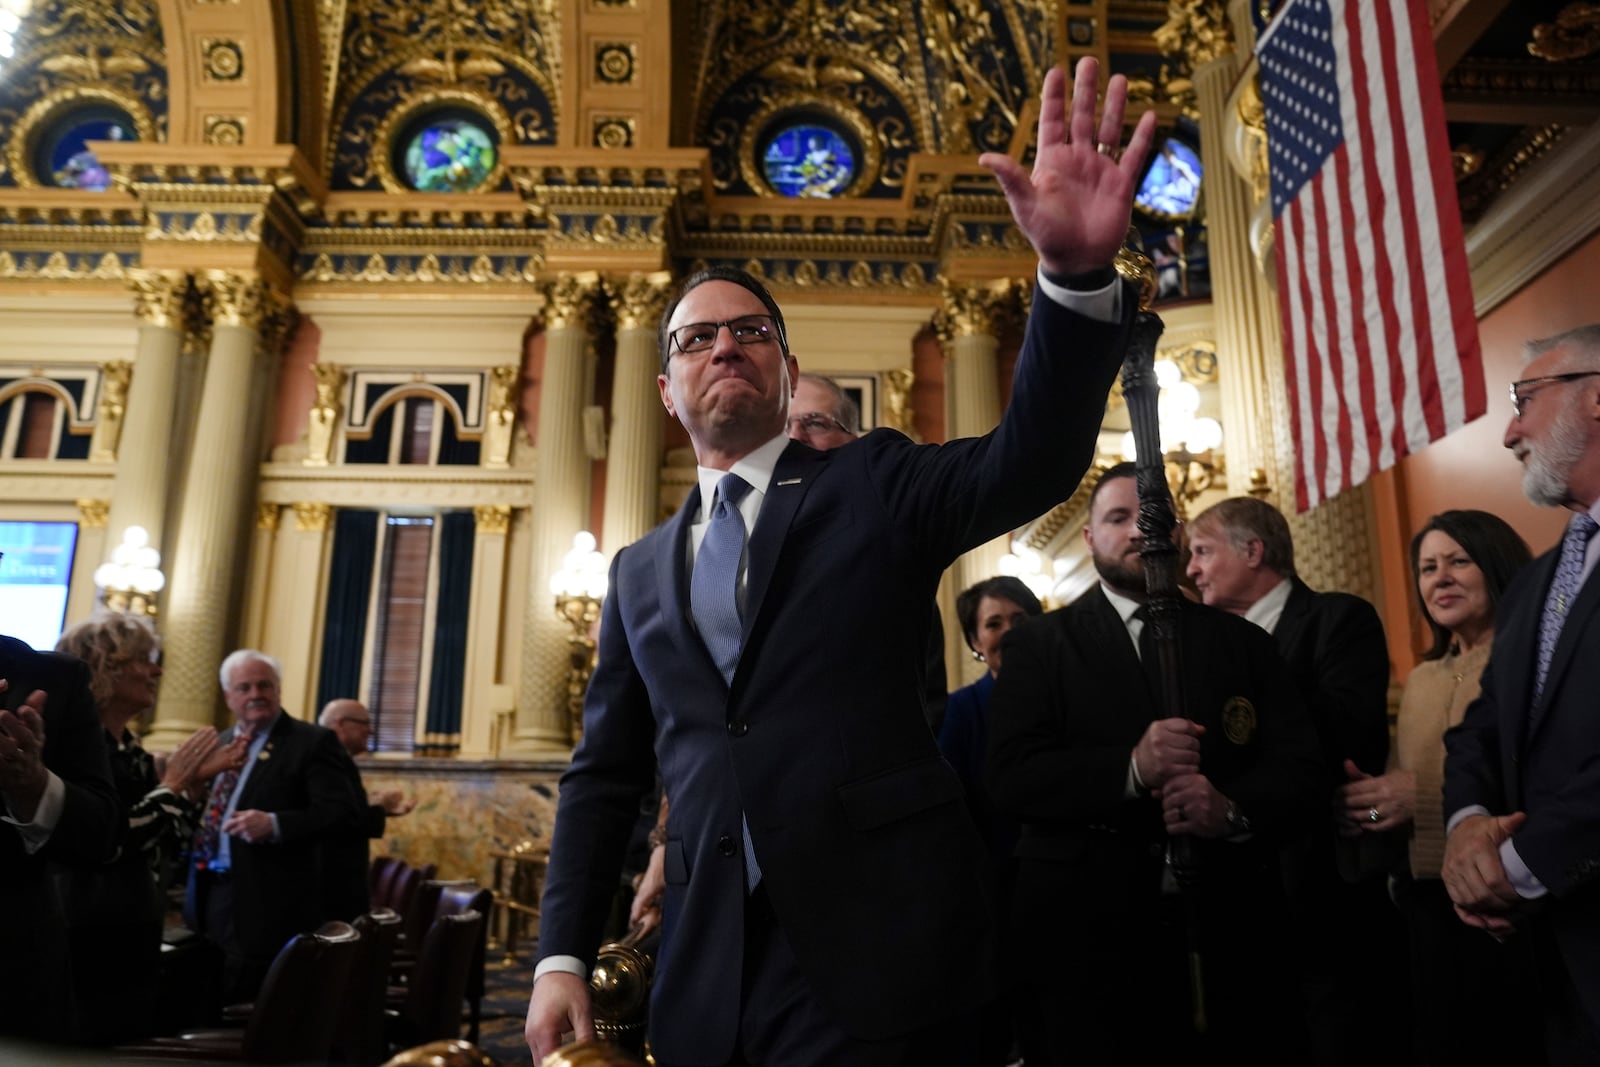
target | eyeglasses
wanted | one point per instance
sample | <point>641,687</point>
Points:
<point>815,422</point>
<point>699,336</point>
<point>1518,400</point>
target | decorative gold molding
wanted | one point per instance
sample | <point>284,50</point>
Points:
<point>225,129</point>
<point>1198,30</point>
<point>492,518</point>
<point>615,62</point>
<point>114,377</point>
<point>569,299</point>
<point>897,413</point>
<point>221,59</point>
<point>972,310</point>
<point>501,415</point>
<point>59,266</point>
<point>614,131</point>
<point>159,297</point>
<point>1253,120</point>
<point>234,298</point>
<point>1575,34</point>
<point>311,517</point>
<point>267,516</point>
<point>93,513</point>
<point>638,300</point>
<point>324,415</point>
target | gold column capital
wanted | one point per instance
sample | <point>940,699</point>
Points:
<point>569,299</point>
<point>897,415</point>
<point>243,298</point>
<point>504,382</point>
<point>492,518</point>
<point>1198,30</point>
<point>94,512</point>
<point>312,517</point>
<point>159,297</point>
<point>639,299</point>
<point>114,378</point>
<point>267,516</point>
<point>972,310</point>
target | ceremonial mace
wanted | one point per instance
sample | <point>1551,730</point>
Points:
<point>1159,554</point>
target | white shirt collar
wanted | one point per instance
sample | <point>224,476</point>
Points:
<point>1266,611</point>
<point>755,468</point>
<point>1124,604</point>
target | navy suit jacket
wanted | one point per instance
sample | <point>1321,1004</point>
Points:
<point>300,776</point>
<point>1511,753</point>
<point>869,858</point>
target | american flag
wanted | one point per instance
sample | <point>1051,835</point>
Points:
<point>1380,338</point>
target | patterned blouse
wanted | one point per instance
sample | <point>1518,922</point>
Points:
<point>161,823</point>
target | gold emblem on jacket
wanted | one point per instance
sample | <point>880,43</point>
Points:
<point>1239,720</point>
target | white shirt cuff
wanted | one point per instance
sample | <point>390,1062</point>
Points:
<point>1133,785</point>
<point>1102,305</point>
<point>1524,881</point>
<point>36,833</point>
<point>566,964</point>
<point>1465,813</point>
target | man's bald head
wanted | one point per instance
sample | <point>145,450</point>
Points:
<point>349,719</point>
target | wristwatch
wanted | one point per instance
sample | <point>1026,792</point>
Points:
<point>1238,823</point>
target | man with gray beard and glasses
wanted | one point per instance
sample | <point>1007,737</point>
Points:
<point>1522,771</point>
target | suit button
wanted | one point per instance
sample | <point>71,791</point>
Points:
<point>738,728</point>
<point>725,844</point>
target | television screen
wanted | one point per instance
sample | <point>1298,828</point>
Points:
<point>34,573</point>
<point>1171,186</point>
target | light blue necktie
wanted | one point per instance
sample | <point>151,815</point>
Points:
<point>714,602</point>
<point>1563,591</point>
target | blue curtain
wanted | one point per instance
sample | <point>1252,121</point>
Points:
<point>355,541</point>
<point>443,734</point>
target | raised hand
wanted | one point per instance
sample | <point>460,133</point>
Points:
<point>1075,206</point>
<point>22,771</point>
<point>182,769</point>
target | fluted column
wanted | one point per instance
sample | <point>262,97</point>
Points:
<point>144,451</point>
<point>220,486</point>
<point>633,455</point>
<point>968,326</point>
<point>491,525</point>
<point>561,509</point>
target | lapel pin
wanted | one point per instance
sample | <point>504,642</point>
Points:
<point>790,481</point>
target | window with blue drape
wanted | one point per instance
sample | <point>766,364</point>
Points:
<point>344,633</point>
<point>443,734</point>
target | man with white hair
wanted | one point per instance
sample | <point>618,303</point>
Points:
<point>346,857</point>
<point>255,870</point>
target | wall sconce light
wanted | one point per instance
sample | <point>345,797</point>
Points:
<point>1189,443</point>
<point>130,581</point>
<point>579,586</point>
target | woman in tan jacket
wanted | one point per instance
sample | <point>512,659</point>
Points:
<point>1461,562</point>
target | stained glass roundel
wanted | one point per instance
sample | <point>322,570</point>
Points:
<point>64,159</point>
<point>808,159</point>
<point>449,154</point>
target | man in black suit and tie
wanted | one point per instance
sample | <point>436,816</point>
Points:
<point>1350,937</point>
<point>1522,771</point>
<point>346,857</point>
<point>57,806</point>
<point>824,901</point>
<point>1079,754</point>
<point>256,876</point>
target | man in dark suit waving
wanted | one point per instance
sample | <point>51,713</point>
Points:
<point>1522,771</point>
<point>824,902</point>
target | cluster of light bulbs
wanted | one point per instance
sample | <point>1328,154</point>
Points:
<point>582,571</point>
<point>1180,429</point>
<point>1028,566</point>
<point>135,565</point>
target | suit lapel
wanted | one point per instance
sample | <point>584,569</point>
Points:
<point>1109,636</point>
<point>1292,623</point>
<point>797,469</point>
<point>1584,609</point>
<point>672,580</point>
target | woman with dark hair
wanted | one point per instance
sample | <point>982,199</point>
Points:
<point>987,611</point>
<point>116,914</point>
<point>1461,562</point>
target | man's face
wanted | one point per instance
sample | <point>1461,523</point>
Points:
<point>1553,431</point>
<point>1113,536</point>
<point>731,394</point>
<point>1221,572</point>
<point>252,694</point>
<point>814,404</point>
<point>354,729</point>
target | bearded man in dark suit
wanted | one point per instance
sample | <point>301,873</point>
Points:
<point>1101,783</point>
<point>61,808</point>
<point>824,900</point>
<point>1522,770</point>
